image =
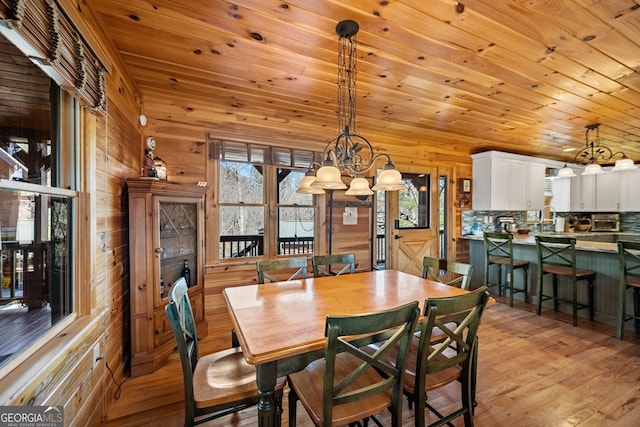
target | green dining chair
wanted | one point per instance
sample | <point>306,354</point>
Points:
<point>431,366</point>
<point>629,278</point>
<point>451,273</point>
<point>298,265</point>
<point>216,384</point>
<point>322,264</point>
<point>349,384</point>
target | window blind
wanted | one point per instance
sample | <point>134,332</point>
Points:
<point>57,44</point>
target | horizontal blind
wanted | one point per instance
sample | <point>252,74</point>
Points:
<point>49,32</point>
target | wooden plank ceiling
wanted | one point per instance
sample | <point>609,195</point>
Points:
<point>436,76</point>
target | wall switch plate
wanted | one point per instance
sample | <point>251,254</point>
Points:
<point>96,356</point>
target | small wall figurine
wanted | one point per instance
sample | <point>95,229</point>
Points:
<point>148,164</point>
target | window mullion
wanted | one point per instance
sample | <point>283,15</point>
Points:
<point>271,212</point>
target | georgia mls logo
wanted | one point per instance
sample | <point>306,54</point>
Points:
<point>31,416</point>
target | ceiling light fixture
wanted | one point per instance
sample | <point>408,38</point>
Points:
<point>350,153</point>
<point>565,172</point>
<point>595,152</point>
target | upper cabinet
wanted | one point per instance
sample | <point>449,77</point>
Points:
<point>606,192</point>
<point>629,200</point>
<point>504,181</point>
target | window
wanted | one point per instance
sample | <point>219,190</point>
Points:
<point>296,215</point>
<point>254,180</point>
<point>415,201</point>
<point>242,207</point>
<point>38,160</point>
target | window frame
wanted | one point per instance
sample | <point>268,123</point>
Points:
<point>66,130</point>
<point>274,158</point>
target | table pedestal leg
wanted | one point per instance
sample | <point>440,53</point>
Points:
<point>266,381</point>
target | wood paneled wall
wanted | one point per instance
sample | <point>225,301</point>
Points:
<point>113,146</point>
<point>60,372</point>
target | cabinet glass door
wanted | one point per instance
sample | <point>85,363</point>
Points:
<point>178,252</point>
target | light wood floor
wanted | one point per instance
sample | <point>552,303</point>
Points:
<point>533,371</point>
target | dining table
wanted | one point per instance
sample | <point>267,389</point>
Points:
<point>281,325</point>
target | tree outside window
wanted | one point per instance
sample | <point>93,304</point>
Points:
<point>252,181</point>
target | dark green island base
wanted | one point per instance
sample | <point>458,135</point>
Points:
<point>595,251</point>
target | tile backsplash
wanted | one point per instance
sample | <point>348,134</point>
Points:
<point>629,221</point>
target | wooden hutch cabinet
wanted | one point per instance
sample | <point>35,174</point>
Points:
<point>166,229</point>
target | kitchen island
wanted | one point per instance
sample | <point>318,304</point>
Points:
<point>595,251</point>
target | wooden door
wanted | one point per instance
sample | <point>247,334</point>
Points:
<point>407,246</point>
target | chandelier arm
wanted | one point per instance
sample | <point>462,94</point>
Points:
<point>350,153</point>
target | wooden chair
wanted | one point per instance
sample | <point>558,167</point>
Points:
<point>499,252</point>
<point>298,264</point>
<point>322,264</point>
<point>431,366</point>
<point>349,384</point>
<point>216,384</point>
<point>629,278</point>
<point>557,256</point>
<point>433,269</point>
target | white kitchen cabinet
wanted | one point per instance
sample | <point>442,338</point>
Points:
<point>629,189</point>
<point>608,191</point>
<point>561,189</point>
<point>503,181</point>
<point>586,189</point>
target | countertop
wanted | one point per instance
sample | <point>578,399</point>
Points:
<point>590,241</point>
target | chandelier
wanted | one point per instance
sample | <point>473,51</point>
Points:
<point>349,153</point>
<point>593,153</point>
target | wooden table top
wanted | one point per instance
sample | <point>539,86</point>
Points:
<point>278,320</point>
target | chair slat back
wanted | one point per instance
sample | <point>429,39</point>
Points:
<point>298,265</point>
<point>629,257</point>
<point>396,325</point>
<point>458,318</point>
<point>498,245</point>
<point>322,264</point>
<point>558,251</point>
<point>436,269</point>
<point>183,326</point>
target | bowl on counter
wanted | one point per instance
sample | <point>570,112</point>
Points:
<point>582,227</point>
<point>524,231</point>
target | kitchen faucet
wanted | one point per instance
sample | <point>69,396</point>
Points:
<point>542,216</point>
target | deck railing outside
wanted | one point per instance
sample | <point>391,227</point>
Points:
<point>251,245</point>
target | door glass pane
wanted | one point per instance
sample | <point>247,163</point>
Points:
<point>414,202</point>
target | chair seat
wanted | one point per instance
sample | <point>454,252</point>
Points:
<point>433,380</point>
<point>633,281</point>
<point>223,377</point>
<point>308,385</point>
<point>561,270</point>
<point>517,263</point>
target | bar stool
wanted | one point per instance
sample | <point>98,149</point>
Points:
<point>629,256</point>
<point>557,256</point>
<point>498,252</point>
